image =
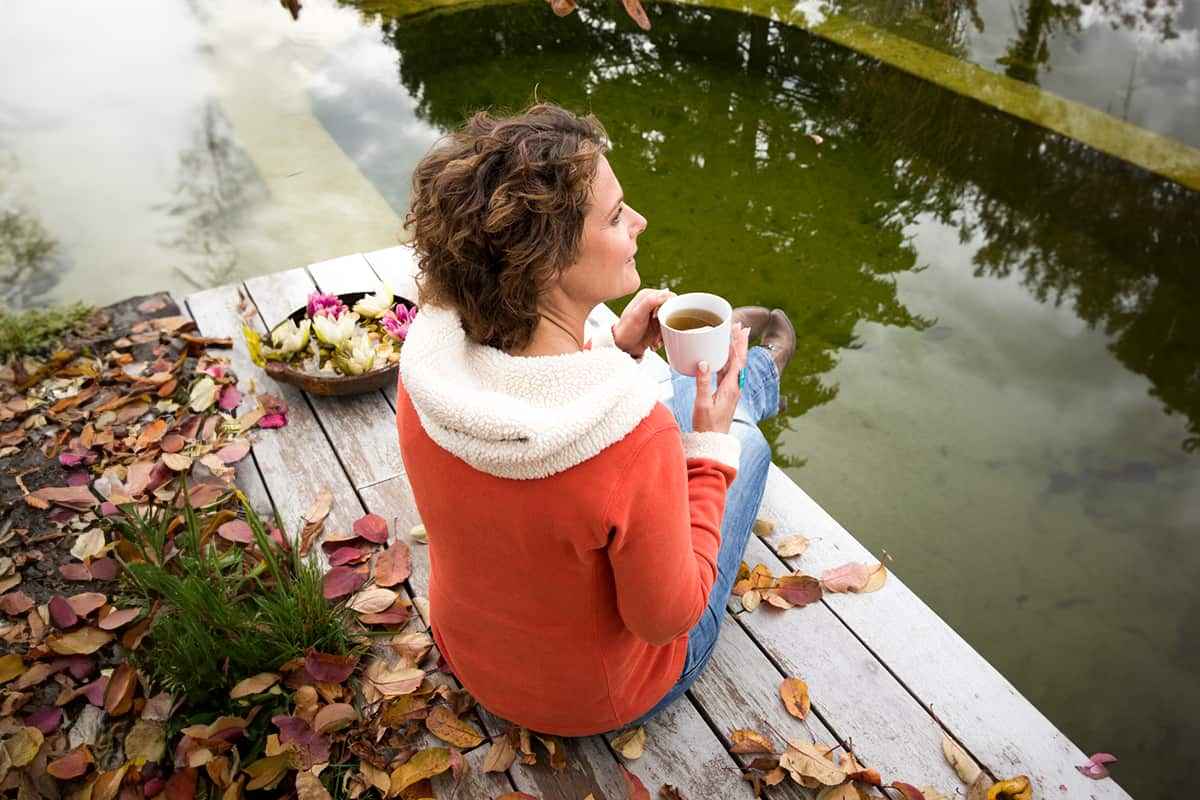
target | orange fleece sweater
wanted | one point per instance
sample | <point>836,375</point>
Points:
<point>563,603</point>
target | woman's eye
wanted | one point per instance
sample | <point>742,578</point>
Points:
<point>617,218</point>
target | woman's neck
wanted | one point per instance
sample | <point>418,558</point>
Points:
<point>556,333</point>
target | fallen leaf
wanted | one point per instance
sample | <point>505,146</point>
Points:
<point>372,527</point>
<point>807,760</point>
<point>236,530</point>
<point>393,565</point>
<point>853,577</point>
<point>1095,768</point>
<point>77,498</point>
<point>233,452</point>
<point>103,569</point>
<point>843,791</point>
<point>118,697</point>
<point>71,764</point>
<point>341,581</point>
<point>320,507</point>
<point>15,603</point>
<point>816,137</point>
<point>46,719</point>
<point>635,10</point>
<point>349,555</point>
<point>443,724</point>
<point>109,783</point>
<point>1017,788</point>
<point>147,740</point>
<point>795,697</point>
<point>203,395</point>
<point>958,758</point>
<point>328,667</point>
<point>266,773</point>
<point>61,613</point>
<point>750,741</point>
<point>425,764</point>
<point>85,603</point>
<point>334,717</point>
<point>84,640</point>
<point>790,546</point>
<point>419,534</point>
<point>519,796</point>
<point>630,743</point>
<point>763,526</point>
<point>395,681</point>
<point>11,666</point>
<point>799,590</point>
<point>751,600</point>
<point>414,644</point>
<point>151,434</point>
<point>116,619</point>
<point>907,790</point>
<point>669,792</point>
<point>230,398</point>
<point>255,684</point>
<point>500,756</point>
<point>23,746</point>
<point>637,789</point>
<point>372,601</point>
<point>177,461</point>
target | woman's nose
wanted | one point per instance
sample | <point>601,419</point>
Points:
<point>639,223</point>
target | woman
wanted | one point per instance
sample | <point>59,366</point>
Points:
<point>579,562</point>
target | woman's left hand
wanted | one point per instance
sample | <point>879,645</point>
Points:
<point>638,330</point>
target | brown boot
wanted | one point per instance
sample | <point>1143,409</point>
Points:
<point>780,338</point>
<point>753,317</point>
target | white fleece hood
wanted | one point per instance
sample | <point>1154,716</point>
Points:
<point>517,417</point>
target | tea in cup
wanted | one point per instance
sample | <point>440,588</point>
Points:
<point>696,327</point>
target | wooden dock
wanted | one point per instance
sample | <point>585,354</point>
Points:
<point>883,670</point>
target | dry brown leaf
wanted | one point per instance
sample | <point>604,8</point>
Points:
<point>23,746</point>
<point>790,546</point>
<point>83,641</point>
<point>72,764</point>
<point>794,693</point>
<point>308,787</point>
<point>177,461</point>
<point>1017,788</point>
<point>255,684</point>
<point>500,756</point>
<point>418,534</point>
<point>958,758</point>
<point>751,600</point>
<point>393,565</point>
<point>372,601</point>
<point>443,724</point>
<point>334,717</point>
<point>415,645</point>
<point>425,764</point>
<point>763,526</point>
<point>807,760</point>
<point>746,740</point>
<point>392,682</point>
<point>320,507</point>
<point>630,743</point>
<point>843,791</point>
<point>118,695</point>
<point>147,740</point>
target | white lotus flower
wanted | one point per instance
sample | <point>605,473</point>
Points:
<point>358,356</point>
<point>336,332</point>
<point>373,305</point>
<point>290,337</point>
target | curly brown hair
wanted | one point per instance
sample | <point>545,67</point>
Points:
<point>497,213</point>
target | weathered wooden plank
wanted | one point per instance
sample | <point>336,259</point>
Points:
<point>476,784</point>
<point>344,274</point>
<point>292,481</point>
<point>739,688</point>
<point>850,689</point>
<point>360,427</point>
<point>396,267</point>
<point>1001,728</point>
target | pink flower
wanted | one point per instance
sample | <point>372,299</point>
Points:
<point>327,304</point>
<point>397,321</point>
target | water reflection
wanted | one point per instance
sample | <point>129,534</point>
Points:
<point>216,186</point>
<point>29,255</point>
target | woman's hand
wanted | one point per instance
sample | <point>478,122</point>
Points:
<point>638,330</point>
<point>713,411</point>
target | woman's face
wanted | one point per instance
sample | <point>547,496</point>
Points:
<point>606,268</point>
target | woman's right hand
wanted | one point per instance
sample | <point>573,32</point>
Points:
<point>713,411</point>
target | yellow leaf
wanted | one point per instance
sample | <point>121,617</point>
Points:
<point>443,724</point>
<point>1017,788</point>
<point>424,764</point>
<point>807,760</point>
<point>11,666</point>
<point>418,534</point>
<point>843,791</point>
<point>266,773</point>
<point>933,794</point>
<point>147,741</point>
<point>83,641</point>
<point>763,526</point>
<point>630,743</point>
<point>794,693</point>
<point>749,741</point>
<point>500,756</point>
<point>751,600</point>
<point>255,684</point>
<point>958,758</point>
<point>23,746</point>
<point>791,546</point>
<point>876,580</point>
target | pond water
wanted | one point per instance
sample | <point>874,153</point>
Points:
<point>998,375</point>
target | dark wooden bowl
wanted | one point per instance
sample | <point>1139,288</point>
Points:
<point>340,385</point>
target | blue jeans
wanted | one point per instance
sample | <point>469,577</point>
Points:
<point>760,400</point>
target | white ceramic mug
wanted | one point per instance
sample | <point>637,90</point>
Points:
<point>686,349</point>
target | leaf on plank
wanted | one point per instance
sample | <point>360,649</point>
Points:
<point>392,682</point>
<point>424,764</point>
<point>966,767</point>
<point>807,760</point>
<point>1095,768</point>
<point>799,590</point>
<point>373,601</point>
<point>791,546</point>
<point>500,756</point>
<point>329,667</point>
<point>855,576</point>
<point>637,789</point>
<point>907,790</point>
<point>630,743</point>
<point>443,724</point>
<point>393,565</point>
<point>341,581</point>
<point>236,530</point>
<point>794,693</point>
<point>763,526</point>
<point>746,740</point>
<point>372,527</point>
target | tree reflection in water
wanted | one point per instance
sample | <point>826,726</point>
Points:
<point>29,256</point>
<point>217,185</point>
<point>709,118</point>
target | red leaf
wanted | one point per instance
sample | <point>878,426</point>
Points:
<point>314,748</point>
<point>637,789</point>
<point>638,13</point>
<point>393,616</point>
<point>1095,768</point>
<point>230,398</point>
<point>15,603</point>
<point>236,530</point>
<point>75,571</point>
<point>94,691</point>
<point>78,498</point>
<point>328,667</point>
<point>86,602</point>
<point>393,565</point>
<point>909,791</point>
<point>341,581</point>
<point>61,613</point>
<point>46,719</point>
<point>349,555</point>
<point>234,452</point>
<point>799,590</point>
<point>273,421</point>
<point>71,765</point>
<point>373,528</point>
<point>104,569</point>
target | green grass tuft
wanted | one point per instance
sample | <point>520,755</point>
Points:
<point>38,331</point>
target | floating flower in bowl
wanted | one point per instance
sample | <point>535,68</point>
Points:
<point>336,344</point>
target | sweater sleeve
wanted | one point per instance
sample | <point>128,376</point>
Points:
<point>664,519</point>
